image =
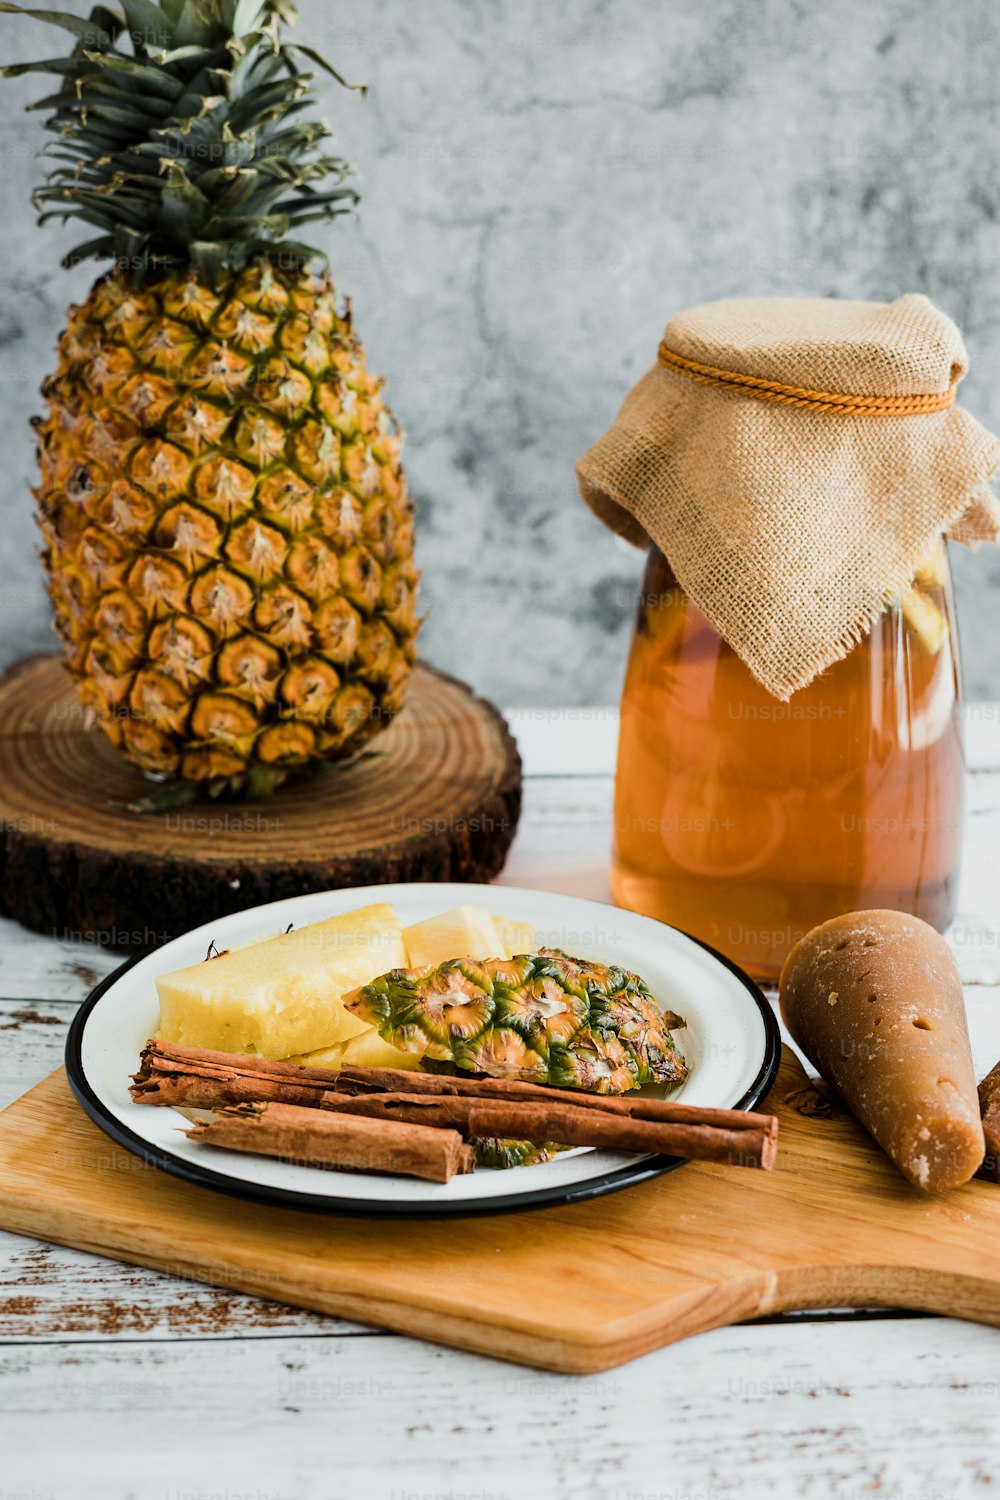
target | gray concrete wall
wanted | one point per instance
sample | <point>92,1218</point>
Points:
<point>543,187</point>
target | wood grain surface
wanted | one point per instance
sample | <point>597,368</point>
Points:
<point>436,797</point>
<point>574,1289</point>
<point>108,1369</point>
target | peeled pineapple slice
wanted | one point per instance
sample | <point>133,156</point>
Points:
<point>464,932</point>
<point>370,1051</point>
<point>926,620</point>
<point>366,1050</point>
<point>323,1057</point>
<point>282,996</point>
<point>933,566</point>
<point>517,937</point>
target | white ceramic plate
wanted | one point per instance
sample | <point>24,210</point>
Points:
<point>731,1044</point>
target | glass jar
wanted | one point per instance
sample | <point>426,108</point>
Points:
<point>745,821</point>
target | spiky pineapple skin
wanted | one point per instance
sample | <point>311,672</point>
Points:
<point>226,528</point>
<point>500,1154</point>
<point>544,1018</point>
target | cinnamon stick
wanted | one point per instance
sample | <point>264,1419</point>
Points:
<point>355,1079</point>
<point>319,1138</point>
<point>989,1108</point>
<point>197,1078</point>
<point>568,1124</point>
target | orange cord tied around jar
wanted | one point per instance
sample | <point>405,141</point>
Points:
<point>834,402</point>
<point>755,454</point>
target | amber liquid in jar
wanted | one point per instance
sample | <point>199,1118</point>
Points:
<point>745,821</point>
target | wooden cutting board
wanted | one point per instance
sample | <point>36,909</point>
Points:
<point>575,1289</point>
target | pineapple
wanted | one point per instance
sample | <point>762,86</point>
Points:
<point>226,528</point>
<point>546,1018</point>
<point>499,1154</point>
<point>369,1051</point>
<point>465,932</point>
<point>517,937</point>
<point>924,603</point>
<point>932,569</point>
<point>323,1057</point>
<point>926,619</point>
<point>284,995</point>
<point>366,1050</point>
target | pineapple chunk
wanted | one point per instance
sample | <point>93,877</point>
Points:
<point>926,621</point>
<point>282,995</point>
<point>370,1051</point>
<point>367,1050</point>
<point>465,932</point>
<point>932,569</point>
<point>517,937</point>
<point>323,1057</point>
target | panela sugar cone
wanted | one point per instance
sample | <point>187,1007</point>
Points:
<point>874,1000</point>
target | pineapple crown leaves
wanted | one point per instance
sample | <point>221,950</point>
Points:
<point>180,134</point>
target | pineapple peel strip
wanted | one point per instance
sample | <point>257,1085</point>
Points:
<point>545,1017</point>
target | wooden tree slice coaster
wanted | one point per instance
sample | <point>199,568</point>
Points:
<point>437,798</point>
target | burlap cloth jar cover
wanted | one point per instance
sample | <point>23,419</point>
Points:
<point>793,459</point>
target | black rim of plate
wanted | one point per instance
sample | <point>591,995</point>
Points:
<point>576,1192</point>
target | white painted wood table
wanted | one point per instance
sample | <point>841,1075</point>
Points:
<point>117,1382</point>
